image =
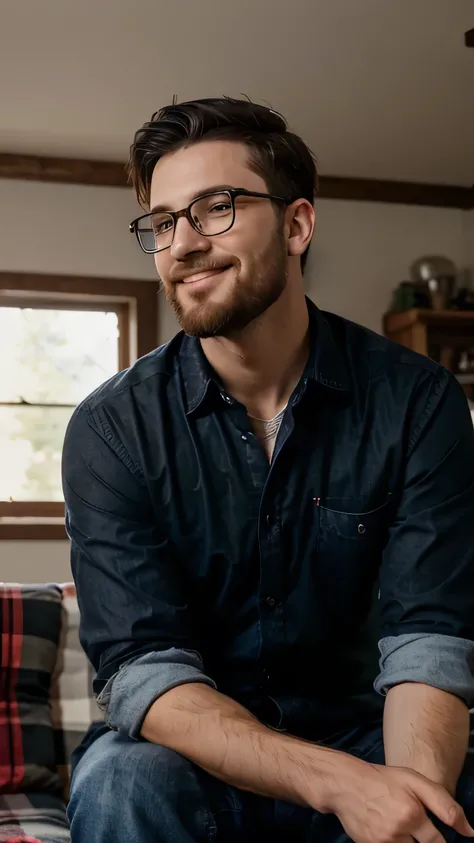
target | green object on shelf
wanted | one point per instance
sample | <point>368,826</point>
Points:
<point>404,297</point>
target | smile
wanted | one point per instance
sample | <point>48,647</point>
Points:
<point>201,280</point>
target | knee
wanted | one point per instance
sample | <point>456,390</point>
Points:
<point>119,764</point>
<point>125,790</point>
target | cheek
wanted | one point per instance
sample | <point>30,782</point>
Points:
<point>244,244</point>
<point>162,266</point>
<point>255,234</point>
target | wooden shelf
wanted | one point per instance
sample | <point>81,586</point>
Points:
<point>443,318</point>
<point>441,334</point>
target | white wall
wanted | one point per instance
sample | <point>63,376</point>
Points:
<point>361,252</point>
<point>469,240</point>
<point>28,561</point>
<point>76,230</point>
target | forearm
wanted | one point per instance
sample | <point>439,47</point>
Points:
<point>228,742</point>
<point>427,730</point>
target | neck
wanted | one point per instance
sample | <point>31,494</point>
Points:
<point>262,365</point>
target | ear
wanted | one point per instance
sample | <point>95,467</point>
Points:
<point>300,226</point>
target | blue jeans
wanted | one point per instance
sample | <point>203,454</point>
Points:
<point>126,791</point>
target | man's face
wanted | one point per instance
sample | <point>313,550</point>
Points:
<point>218,285</point>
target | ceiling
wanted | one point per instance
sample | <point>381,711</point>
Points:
<point>377,88</point>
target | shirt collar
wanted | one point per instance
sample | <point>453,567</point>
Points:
<point>325,365</point>
<point>198,376</point>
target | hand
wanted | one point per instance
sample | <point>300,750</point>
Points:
<point>378,804</point>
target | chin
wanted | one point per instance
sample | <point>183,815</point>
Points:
<point>205,321</point>
<point>205,314</point>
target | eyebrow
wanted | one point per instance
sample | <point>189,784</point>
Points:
<point>215,188</point>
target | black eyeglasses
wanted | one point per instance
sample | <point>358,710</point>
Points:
<point>210,214</point>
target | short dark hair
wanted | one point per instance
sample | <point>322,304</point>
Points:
<point>278,155</point>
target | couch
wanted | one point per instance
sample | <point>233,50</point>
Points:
<point>46,706</point>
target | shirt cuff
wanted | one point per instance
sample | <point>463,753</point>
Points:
<point>443,661</point>
<point>130,693</point>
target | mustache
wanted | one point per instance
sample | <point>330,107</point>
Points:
<point>188,268</point>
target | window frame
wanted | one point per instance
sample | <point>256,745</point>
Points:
<point>136,305</point>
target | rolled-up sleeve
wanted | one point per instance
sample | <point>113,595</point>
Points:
<point>427,574</point>
<point>135,625</point>
<point>128,695</point>
<point>439,660</point>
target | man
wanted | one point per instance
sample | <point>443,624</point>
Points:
<point>253,508</point>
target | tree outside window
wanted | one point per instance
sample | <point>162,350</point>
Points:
<point>61,337</point>
<point>55,358</point>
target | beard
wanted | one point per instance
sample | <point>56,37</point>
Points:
<point>247,298</point>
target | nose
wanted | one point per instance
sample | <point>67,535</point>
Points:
<point>187,240</point>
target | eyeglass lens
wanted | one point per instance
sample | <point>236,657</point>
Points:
<point>210,215</point>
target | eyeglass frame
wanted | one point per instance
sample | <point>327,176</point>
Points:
<point>233,193</point>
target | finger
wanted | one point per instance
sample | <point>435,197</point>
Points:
<point>428,833</point>
<point>442,805</point>
<point>459,822</point>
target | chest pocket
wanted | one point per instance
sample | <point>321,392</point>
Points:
<point>350,548</point>
<point>364,526</point>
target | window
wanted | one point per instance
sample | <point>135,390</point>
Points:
<point>60,338</point>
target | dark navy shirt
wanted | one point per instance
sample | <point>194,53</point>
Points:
<point>282,583</point>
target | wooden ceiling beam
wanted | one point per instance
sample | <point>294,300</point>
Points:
<point>113,174</point>
<point>62,170</point>
<point>399,192</point>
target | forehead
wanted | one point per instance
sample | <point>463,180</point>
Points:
<point>180,176</point>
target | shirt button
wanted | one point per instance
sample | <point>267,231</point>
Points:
<point>244,437</point>
<point>271,602</point>
<point>361,529</point>
<point>268,519</point>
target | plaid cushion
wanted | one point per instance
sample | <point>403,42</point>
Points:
<point>73,705</point>
<point>36,817</point>
<point>30,625</point>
